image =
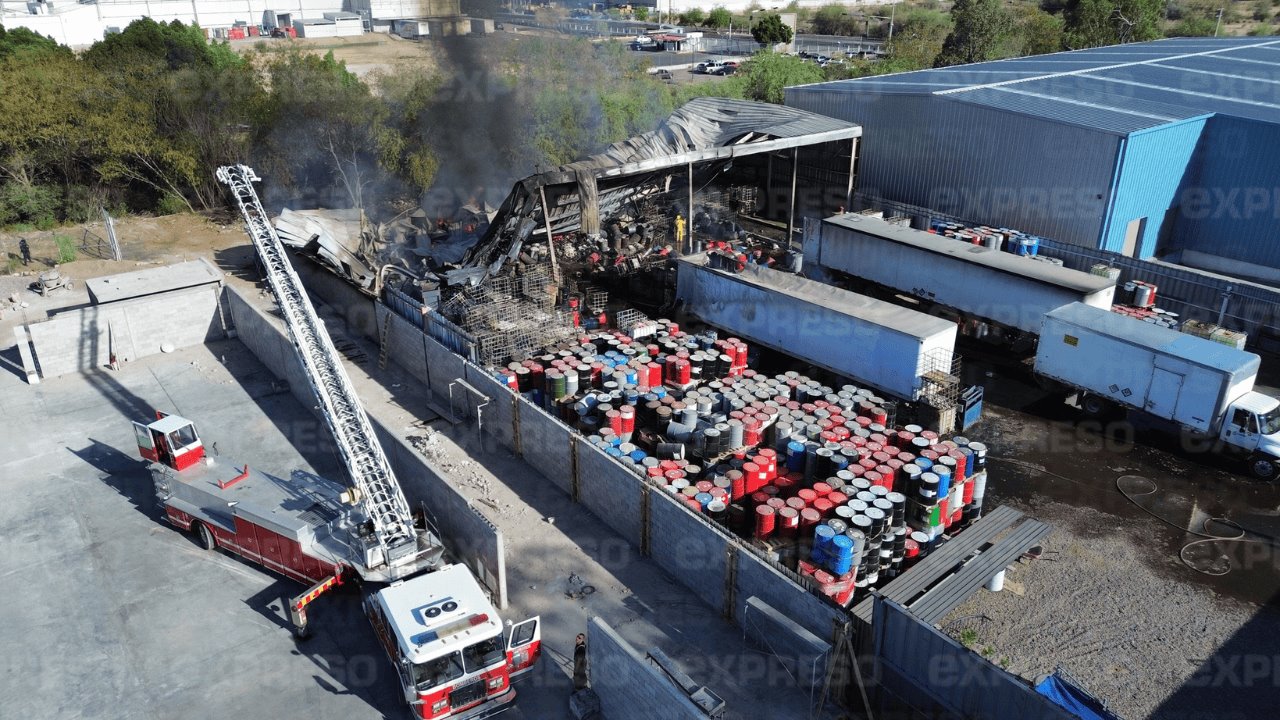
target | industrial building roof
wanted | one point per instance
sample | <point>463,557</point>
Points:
<point>1120,88</point>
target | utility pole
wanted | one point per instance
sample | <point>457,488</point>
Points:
<point>1217,24</point>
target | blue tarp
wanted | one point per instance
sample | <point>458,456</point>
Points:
<point>1063,692</point>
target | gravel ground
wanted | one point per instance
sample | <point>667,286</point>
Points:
<point>1110,601</point>
<point>1093,606</point>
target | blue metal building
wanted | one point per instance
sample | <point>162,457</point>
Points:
<point>1143,148</point>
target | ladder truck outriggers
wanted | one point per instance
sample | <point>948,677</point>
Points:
<point>443,634</point>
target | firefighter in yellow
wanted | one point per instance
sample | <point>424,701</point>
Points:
<point>680,232</point>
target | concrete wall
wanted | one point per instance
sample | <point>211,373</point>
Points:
<point>84,338</point>
<point>544,443</point>
<point>401,9</point>
<point>631,687</point>
<point>465,531</point>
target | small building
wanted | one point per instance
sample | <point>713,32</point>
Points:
<point>334,24</point>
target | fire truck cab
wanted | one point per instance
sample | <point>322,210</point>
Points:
<point>170,440</point>
<point>448,646</point>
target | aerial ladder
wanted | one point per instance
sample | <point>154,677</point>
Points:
<point>396,549</point>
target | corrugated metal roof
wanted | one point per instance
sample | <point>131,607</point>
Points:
<point>1119,89</point>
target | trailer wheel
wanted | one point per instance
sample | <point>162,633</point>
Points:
<point>1263,467</point>
<point>205,535</point>
<point>1094,406</point>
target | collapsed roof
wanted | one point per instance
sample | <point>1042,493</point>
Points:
<point>703,130</point>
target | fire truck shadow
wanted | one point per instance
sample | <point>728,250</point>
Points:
<point>342,647</point>
<point>124,473</point>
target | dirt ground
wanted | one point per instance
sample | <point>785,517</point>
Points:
<point>363,55</point>
<point>144,241</point>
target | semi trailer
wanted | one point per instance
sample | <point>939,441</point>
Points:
<point>995,293</point>
<point>1197,387</point>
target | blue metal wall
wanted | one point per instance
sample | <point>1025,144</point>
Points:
<point>980,163</point>
<point>1232,208</point>
<point>1151,173</point>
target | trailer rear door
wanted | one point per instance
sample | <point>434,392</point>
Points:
<point>1162,397</point>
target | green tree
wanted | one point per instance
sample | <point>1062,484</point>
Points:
<point>764,76</point>
<point>23,40</point>
<point>1095,23</point>
<point>719,18</point>
<point>770,30</point>
<point>1193,26</point>
<point>835,19</point>
<point>640,13</point>
<point>324,127</point>
<point>981,27</point>
<point>692,16</point>
<point>1038,32</point>
<point>917,40</point>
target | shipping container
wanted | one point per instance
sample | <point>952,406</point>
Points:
<point>866,340</point>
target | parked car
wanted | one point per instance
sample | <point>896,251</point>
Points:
<point>728,68</point>
<point>665,75</point>
<point>712,68</point>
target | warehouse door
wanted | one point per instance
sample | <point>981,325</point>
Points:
<point>1162,398</point>
<point>1133,235</point>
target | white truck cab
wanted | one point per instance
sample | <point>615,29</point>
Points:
<point>448,645</point>
<point>1252,426</point>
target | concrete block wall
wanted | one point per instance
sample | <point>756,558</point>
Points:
<point>612,492</point>
<point>756,578</point>
<point>630,687</point>
<point>498,419</point>
<point>355,308</point>
<point>544,443</point>
<point>84,338</point>
<point>404,343</point>
<point>688,548</point>
<point>466,532</point>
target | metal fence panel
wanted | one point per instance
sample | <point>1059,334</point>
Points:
<point>930,671</point>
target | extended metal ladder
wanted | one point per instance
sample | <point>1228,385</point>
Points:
<point>380,492</point>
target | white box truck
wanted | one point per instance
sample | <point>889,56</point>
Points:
<point>1204,388</point>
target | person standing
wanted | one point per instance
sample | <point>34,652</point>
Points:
<point>25,249</point>
<point>680,232</point>
<point>580,678</point>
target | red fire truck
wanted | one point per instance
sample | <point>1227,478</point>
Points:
<point>441,631</point>
<point>443,635</point>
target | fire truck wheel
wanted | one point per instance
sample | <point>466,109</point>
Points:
<point>207,541</point>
